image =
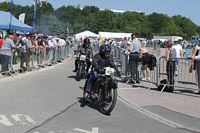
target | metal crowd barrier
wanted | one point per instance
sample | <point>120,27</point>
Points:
<point>67,50</point>
<point>7,62</point>
<point>179,75</point>
<point>162,74</point>
<point>125,67</point>
<point>143,68</point>
<point>33,58</point>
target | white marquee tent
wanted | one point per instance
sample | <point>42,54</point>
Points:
<point>114,35</point>
<point>85,34</point>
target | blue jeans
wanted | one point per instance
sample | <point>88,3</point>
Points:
<point>91,79</point>
<point>90,83</point>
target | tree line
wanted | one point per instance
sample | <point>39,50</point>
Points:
<point>56,21</point>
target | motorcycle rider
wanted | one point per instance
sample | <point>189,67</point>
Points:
<point>100,61</point>
<point>84,49</point>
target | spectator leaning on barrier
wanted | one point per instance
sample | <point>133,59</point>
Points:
<point>16,51</point>
<point>179,53</point>
<point>21,50</point>
<point>33,42</point>
<point>171,63</point>
<point>40,45</point>
<point>62,44</point>
<point>15,54</point>
<point>51,47</point>
<point>196,63</point>
<point>6,51</point>
<point>28,44</point>
<point>45,40</point>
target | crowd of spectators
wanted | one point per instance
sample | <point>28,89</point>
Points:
<point>22,47</point>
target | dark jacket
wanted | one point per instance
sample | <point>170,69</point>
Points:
<point>99,63</point>
<point>82,50</point>
<point>150,60</point>
<point>19,43</point>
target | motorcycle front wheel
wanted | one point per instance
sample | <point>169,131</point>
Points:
<point>79,73</point>
<point>108,103</point>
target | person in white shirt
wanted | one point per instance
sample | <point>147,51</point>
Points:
<point>179,53</point>
<point>51,46</point>
<point>57,50</point>
<point>62,44</point>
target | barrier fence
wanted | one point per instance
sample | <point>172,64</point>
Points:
<point>179,75</point>
<point>154,69</point>
<point>32,58</point>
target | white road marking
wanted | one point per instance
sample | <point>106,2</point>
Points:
<point>4,120</point>
<point>94,130</point>
<point>18,118</point>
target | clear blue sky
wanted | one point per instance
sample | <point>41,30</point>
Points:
<point>187,8</point>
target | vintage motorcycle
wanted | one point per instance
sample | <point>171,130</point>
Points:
<point>104,92</point>
<point>81,66</point>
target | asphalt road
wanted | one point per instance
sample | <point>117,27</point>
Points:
<point>49,101</point>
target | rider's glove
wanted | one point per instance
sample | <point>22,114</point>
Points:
<point>90,60</point>
<point>75,56</point>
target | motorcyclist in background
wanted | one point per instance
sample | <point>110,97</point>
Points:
<point>100,61</point>
<point>84,49</point>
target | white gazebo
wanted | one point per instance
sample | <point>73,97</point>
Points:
<point>113,35</point>
<point>85,34</point>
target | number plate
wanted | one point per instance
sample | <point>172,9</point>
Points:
<point>83,57</point>
<point>109,70</point>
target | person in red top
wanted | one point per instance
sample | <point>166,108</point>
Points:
<point>14,36</point>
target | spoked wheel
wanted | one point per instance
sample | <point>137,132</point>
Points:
<point>79,73</point>
<point>108,104</point>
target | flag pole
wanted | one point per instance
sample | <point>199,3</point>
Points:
<point>34,14</point>
<point>10,26</point>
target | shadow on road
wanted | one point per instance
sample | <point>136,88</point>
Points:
<point>189,93</point>
<point>84,103</point>
<point>177,91</point>
<point>51,118</point>
<point>186,82</point>
<point>74,77</point>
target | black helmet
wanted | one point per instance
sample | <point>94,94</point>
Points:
<point>104,48</point>
<point>86,40</point>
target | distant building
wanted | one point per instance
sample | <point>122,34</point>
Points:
<point>119,11</point>
<point>115,11</point>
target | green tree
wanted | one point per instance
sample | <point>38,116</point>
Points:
<point>187,27</point>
